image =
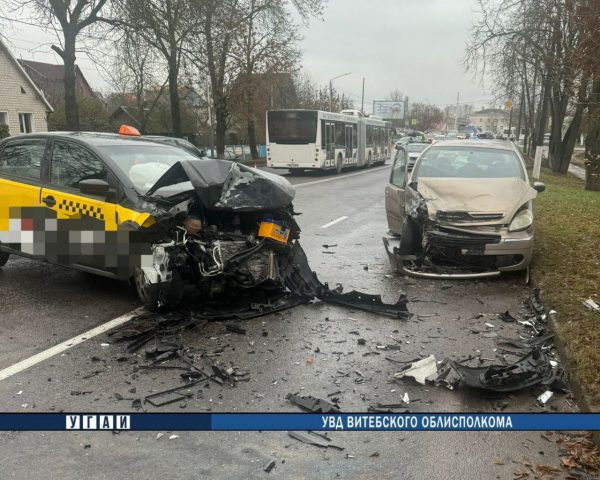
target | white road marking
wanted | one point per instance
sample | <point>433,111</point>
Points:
<point>61,347</point>
<point>337,220</point>
<point>340,177</point>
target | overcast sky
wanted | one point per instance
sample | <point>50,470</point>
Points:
<point>415,46</point>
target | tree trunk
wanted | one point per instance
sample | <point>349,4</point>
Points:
<point>252,139</point>
<point>221,121</point>
<point>542,121</point>
<point>68,56</point>
<point>174,96</point>
<point>560,158</point>
<point>592,140</point>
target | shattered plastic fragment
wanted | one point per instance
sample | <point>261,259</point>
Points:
<point>532,369</point>
<point>312,404</point>
<point>545,397</point>
<point>420,370</point>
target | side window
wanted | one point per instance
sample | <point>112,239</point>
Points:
<point>398,175</point>
<point>72,163</point>
<point>23,159</point>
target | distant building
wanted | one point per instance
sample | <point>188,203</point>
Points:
<point>23,106</point>
<point>493,120</point>
<point>50,79</point>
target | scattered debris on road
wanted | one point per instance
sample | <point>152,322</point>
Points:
<point>312,404</point>
<point>420,370</point>
<point>313,438</point>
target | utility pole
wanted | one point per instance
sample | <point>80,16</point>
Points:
<point>362,102</point>
<point>331,89</point>
<point>331,95</point>
<point>456,116</point>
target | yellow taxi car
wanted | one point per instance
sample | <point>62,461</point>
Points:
<point>133,209</point>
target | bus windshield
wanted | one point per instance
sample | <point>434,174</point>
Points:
<point>292,127</point>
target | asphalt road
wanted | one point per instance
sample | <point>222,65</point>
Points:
<point>311,350</point>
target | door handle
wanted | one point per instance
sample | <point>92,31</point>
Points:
<point>49,201</point>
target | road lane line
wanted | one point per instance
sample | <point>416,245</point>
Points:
<point>61,347</point>
<point>339,177</point>
<point>332,223</point>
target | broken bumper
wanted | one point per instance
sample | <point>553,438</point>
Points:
<point>512,251</point>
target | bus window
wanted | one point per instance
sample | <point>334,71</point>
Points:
<point>340,139</point>
<point>289,127</point>
<point>354,136</point>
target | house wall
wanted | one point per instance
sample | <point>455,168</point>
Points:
<point>13,101</point>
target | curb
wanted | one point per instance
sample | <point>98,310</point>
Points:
<point>568,365</point>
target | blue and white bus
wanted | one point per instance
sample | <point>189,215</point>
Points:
<point>314,139</point>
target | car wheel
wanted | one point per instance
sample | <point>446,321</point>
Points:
<point>4,258</point>
<point>339,164</point>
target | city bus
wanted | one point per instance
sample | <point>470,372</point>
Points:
<point>314,139</point>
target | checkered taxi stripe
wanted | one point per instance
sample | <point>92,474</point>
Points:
<point>71,206</point>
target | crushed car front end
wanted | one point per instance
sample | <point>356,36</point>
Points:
<point>456,226</point>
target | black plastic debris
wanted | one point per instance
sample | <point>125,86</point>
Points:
<point>531,370</point>
<point>388,408</point>
<point>270,466</point>
<point>313,404</point>
<point>312,438</point>
<point>235,329</point>
<point>506,317</point>
<point>535,304</point>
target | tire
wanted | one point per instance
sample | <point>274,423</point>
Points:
<point>339,164</point>
<point>4,258</point>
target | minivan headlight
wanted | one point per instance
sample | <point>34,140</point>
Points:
<point>522,220</point>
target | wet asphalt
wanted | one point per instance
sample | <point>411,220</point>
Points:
<point>309,350</point>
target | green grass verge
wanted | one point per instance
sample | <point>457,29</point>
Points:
<point>566,267</point>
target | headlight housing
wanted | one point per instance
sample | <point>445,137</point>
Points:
<point>521,221</point>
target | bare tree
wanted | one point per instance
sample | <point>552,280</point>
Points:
<point>224,25</point>
<point>68,19</point>
<point>265,47</point>
<point>166,25</point>
<point>395,96</point>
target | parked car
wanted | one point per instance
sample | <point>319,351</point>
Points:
<point>485,135</point>
<point>227,155</point>
<point>129,208</point>
<point>414,150</point>
<point>178,142</point>
<point>465,210</point>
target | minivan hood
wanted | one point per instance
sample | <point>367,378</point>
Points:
<point>492,201</point>
<point>226,185</point>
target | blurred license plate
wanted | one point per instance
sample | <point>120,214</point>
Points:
<point>473,250</point>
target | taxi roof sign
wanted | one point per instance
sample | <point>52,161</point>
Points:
<point>129,131</point>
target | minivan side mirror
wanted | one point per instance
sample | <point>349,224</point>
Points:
<point>94,186</point>
<point>539,186</point>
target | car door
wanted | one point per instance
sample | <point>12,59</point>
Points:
<point>22,220</point>
<point>395,192</point>
<point>82,222</point>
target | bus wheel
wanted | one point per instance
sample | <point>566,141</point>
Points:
<point>339,164</point>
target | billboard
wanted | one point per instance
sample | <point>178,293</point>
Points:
<point>389,110</point>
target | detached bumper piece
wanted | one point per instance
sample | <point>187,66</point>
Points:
<point>301,280</point>
<point>533,369</point>
<point>417,266</point>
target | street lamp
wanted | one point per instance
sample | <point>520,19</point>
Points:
<point>331,89</point>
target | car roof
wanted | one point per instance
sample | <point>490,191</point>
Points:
<point>92,138</point>
<point>497,144</point>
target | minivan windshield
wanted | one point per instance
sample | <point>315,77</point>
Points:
<point>468,162</point>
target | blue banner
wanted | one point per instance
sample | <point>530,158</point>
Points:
<point>299,421</point>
